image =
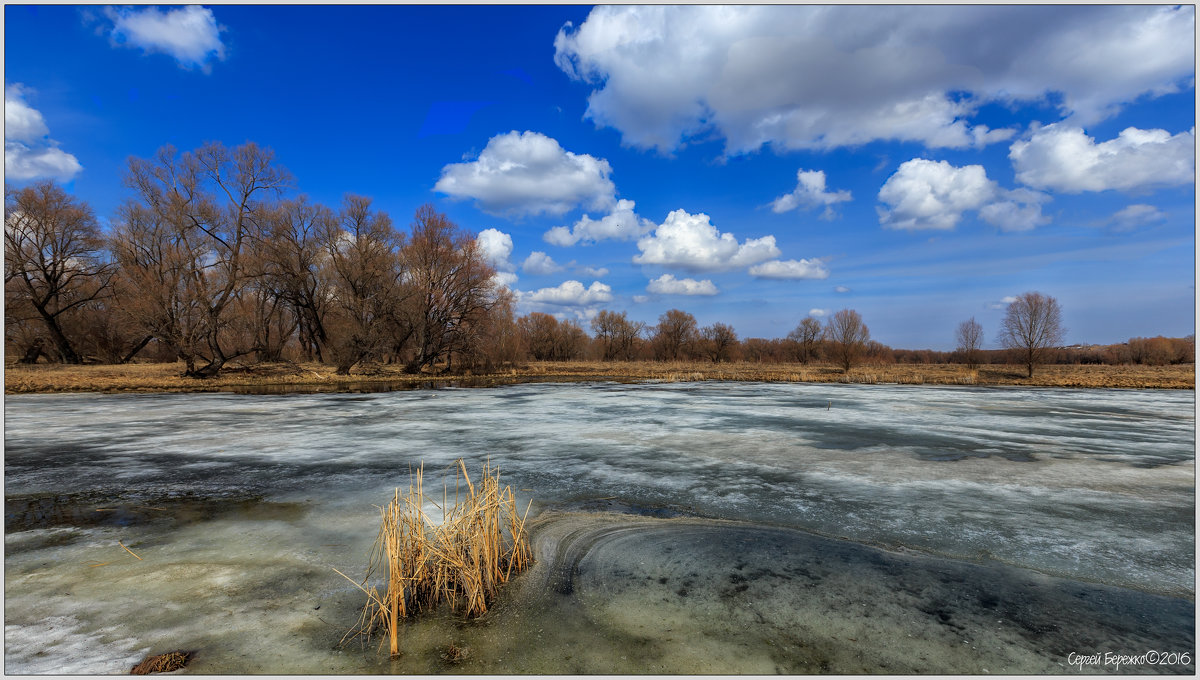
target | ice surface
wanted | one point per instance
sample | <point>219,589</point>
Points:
<point>234,495</point>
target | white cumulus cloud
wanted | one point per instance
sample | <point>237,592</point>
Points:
<point>29,153</point>
<point>497,247</point>
<point>691,242</point>
<point>841,289</point>
<point>790,269</point>
<point>669,285</point>
<point>621,224</point>
<point>818,312</point>
<point>528,173</point>
<point>821,77</point>
<point>189,34</point>
<point>1064,158</point>
<point>925,194</point>
<point>810,193</point>
<point>540,263</point>
<point>571,293</point>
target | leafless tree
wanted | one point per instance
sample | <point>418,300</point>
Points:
<point>847,336</point>
<point>970,341</point>
<point>1032,327</point>
<point>53,259</point>
<point>294,260</point>
<point>451,289</point>
<point>719,341</point>
<point>202,210</point>
<point>807,337</point>
<point>617,335</point>
<point>362,284</point>
<point>549,339</point>
<point>675,335</point>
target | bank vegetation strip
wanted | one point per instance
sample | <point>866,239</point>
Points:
<point>284,376</point>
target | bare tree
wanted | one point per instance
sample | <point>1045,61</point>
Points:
<point>617,335</point>
<point>848,337</point>
<point>675,335</point>
<point>293,260</point>
<point>195,221</point>
<point>970,341</point>
<point>451,288</point>
<point>1032,326</point>
<point>362,273</point>
<point>53,259</point>
<point>719,341</point>
<point>806,336</point>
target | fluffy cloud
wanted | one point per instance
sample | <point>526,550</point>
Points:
<point>924,194</point>
<point>820,77</point>
<point>790,269</point>
<point>669,285</point>
<point>540,263</point>
<point>528,173</point>
<point>1134,216</point>
<point>1065,159</point>
<point>841,289</point>
<point>818,312</point>
<point>497,247</point>
<point>810,193</point>
<point>1016,210</point>
<point>28,152</point>
<point>571,293</point>
<point>692,243</point>
<point>189,34</point>
<point>621,224</point>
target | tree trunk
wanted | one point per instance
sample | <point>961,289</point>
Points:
<point>32,354</point>
<point>137,348</point>
<point>65,350</point>
<point>208,370</point>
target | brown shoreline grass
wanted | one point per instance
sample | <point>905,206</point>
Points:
<point>283,376</point>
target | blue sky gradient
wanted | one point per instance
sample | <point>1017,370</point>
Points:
<point>966,154</point>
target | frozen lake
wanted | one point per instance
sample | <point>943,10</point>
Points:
<point>987,528</point>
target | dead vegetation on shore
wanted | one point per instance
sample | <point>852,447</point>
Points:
<point>284,375</point>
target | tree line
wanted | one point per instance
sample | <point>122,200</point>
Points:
<point>209,260</point>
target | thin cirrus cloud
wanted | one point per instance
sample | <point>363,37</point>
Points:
<point>810,192</point>
<point>29,153</point>
<point>1135,216</point>
<point>189,34</point>
<point>790,270</point>
<point>823,77</point>
<point>934,195</point>
<point>528,173</point>
<point>1064,158</point>
<point>669,285</point>
<point>692,243</point>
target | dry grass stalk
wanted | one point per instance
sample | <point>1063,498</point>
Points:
<point>461,561</point>
<point>162,663</point>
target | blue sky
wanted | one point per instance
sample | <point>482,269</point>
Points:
<point>750,165</point>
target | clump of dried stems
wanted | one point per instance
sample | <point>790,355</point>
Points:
<point>480,543</point>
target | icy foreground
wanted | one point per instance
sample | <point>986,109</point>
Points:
<point>239,505</point>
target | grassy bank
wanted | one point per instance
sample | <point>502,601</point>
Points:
<point>167,377</point>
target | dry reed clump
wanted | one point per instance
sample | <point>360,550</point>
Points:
<point>480,543</point>
<point>162,663</point>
